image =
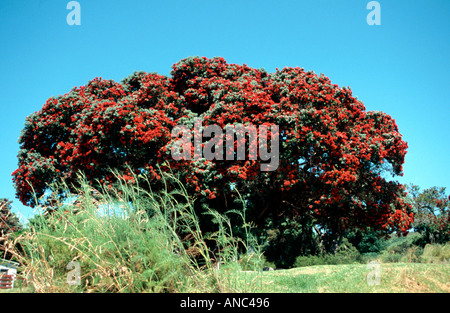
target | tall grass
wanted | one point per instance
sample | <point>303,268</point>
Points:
<point>437,253</point>
<point>132,239</point>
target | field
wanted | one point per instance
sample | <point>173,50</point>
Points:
<point>352,278</point>
<point>347,278</point>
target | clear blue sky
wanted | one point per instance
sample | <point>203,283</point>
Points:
<point>400,67</point>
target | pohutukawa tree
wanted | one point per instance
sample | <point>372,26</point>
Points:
<point>432,213</point>
<point>333,154</point>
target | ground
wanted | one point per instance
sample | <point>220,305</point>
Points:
<point>348,278</point>
<point>394,277</point>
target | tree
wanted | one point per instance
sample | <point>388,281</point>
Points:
<point>432,214</point>
<point>366,241</point>
<point>332,152</point>
<point>9,223</point>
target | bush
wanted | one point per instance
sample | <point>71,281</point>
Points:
<point>285,239</point>
<point>411,254</point>
<point>438,253</point>
<point>366,241</point>
<point>119,246</point>
<point>9,224</point>
<point>390,257</point>
<point>405,249</point>
<point>346,253</point>
<point>370,256</point>
<point>410,250</point>
<point>309,260</point>
<point>127,240</point>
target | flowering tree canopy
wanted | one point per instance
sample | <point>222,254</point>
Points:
<point>333,154</point>
<point>432,213</point>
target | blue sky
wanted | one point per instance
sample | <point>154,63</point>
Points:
<point>399,67</point>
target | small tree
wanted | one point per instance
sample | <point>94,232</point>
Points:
<point>432,215</point>
<point>9,223</point>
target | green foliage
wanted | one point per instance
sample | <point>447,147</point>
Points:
<point>366,241</point>
<point>399,244</point>
<point>309,260</point>
<point>409,249</point>
<point>351,278</point>
<point>438,253</point>
<point>346,253</point>
<point>9,225</point>
<point>397,249</point>
<point>9,222</point>
<point>129,239</point>
<point>432,215</point>
<point>117,253</point>
<point>285,238</point>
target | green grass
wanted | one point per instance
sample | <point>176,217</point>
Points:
<point>352,278</point>
<point>343,278</point>
<point>131,239</point>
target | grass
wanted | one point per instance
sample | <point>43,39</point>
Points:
<point>352,278</point>
<point>343,278</point>
<point>131,239</point>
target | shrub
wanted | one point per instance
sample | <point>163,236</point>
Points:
<point>285,239</point>
<point>402,249</point>
<point>9,222</point>
<point>346,253</point>
<point>119,249</point>
<point>126,239</point>
<point>390,257</point>
<point>370,256</point>
<point>309,260</point>
<point>9,225</point>
<point>437,253</point>
<point>366,241</point>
